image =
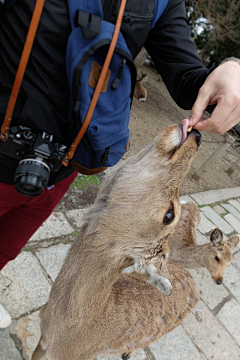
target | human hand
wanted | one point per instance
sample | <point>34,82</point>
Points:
<point>222,87</point>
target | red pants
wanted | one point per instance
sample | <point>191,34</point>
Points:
<point>21,216</point>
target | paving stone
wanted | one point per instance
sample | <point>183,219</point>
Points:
<point>231,209</point>
<point>27,330</point>
<point>219,209</point>
<point>28,287</point>
<point>76,216</point>
<point>205,225</point>
<point>8,350</point>
<point>235,203</point>
<point>137,355</point>
<point>217,220</point>
<point>186,199</point>
<point>209,335</point>
<point>201,239</point>
<point>213,196</point>
<point>232,281</point>
<point>55,225</point>
<point>236,261</point>
<point>211,293</point>
<point>175,346</point>
<point>52,258</point>
<point>235,223</point>
<point>227,316</point>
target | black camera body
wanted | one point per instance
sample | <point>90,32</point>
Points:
<point>37,154</point>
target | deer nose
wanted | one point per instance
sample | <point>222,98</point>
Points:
<point>198,137</point>
<point>219,282</point>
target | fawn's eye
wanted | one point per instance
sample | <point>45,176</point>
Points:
<point>217,258</point>
<point>169,216</point>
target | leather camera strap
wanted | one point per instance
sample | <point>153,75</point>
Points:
<point>99,85</point>
<point>21,68</point>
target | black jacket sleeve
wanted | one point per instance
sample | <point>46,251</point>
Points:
<point>175,55</point>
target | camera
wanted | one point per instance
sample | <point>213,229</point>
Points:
<point>37,154</point>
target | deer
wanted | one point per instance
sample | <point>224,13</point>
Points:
<point>140,92</point>
<point>215,255</point>
<point>93,306</point>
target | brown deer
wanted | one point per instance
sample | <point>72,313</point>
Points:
<point>215,255</point>
<point>93,307</point>
<point>140,92</point>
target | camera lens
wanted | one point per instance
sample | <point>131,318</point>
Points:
<point>31,177</point>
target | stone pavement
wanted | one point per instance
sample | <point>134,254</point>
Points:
<point>210,332</point>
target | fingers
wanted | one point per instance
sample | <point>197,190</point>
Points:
<point>203,100</point>
<point>224,117</point>
<point>222,87</point>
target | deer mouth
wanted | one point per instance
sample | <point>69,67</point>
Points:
<point>186,132</point>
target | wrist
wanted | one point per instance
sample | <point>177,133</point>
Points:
<point>232,58</point>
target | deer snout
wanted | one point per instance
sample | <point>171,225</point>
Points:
<point>218,279</point>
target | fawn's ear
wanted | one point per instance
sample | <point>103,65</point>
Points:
<point>233,241</point>
<point>216,236</point>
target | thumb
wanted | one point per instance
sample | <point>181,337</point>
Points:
<point>198,109</point>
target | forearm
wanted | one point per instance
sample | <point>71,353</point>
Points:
<point>175,55</point>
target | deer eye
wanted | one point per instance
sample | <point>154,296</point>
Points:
<point>217,258</point>
<point>168,217</point>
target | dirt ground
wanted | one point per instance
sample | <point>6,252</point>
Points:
<point>147,118</point>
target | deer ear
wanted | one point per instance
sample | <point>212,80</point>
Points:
<point>233,240</point>
<point>216,236</point>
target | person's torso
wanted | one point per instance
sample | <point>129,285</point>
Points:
<point>43,99</point>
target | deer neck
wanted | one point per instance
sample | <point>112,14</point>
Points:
<point>90,270</point>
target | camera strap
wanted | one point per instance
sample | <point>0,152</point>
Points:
<point>99,85</point>
<point>21,68</point>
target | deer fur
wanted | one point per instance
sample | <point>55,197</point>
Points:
<point>215,255</point>
<point>140,92</point>
<point>93,307</point>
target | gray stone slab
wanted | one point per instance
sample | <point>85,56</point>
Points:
<point>235,223</point>
<point>236,261</point>
<point>217,220</point>
<point>232,210</point>
<point>55,225</point>
<point>232,281</point>
<point>201,239</point>
<point>8,350</point>
<point>137,355</point>
<point>186,199</point>
<point>213,196</point>
<point>205,225</point>
<point>229,316</point>
<point>209,335</point>
<point>219,209</point>
<point>76,216</point>
<point>175,346</point>
<point>52,258</point>
<point>28,288</point>
<point>211,293</point>
<point>27,330</point>
<point>235,203</point>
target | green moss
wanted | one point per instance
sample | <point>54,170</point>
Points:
<point>82,181</point>
<point>75,233</point>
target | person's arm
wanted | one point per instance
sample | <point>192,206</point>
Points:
<point>189,82</point>
<point>4,4</point>
<point>175,56</point>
